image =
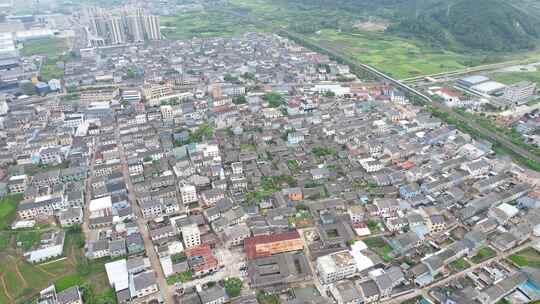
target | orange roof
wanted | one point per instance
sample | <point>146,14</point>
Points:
<point>209,261</point>
<point>449,92</point>
<point>407,165</point>
<point>535,194</point>
<point>251,242</point>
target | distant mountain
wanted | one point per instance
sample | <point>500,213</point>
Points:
<point>495,25</point>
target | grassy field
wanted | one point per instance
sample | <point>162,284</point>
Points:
<point>514,77</point>
<point>20,280</point>
<point>379,246</point>
<point>5,240</point>
<point>204,24</point>
<point>459,265</point>
<point>8,208</point>
<point>51,47</point>
<point>400,58</point>
<point>483,254</point>
<point>528,257</point>
<point>26,240</point>
<point>49,70</point>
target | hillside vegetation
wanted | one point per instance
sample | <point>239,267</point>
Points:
<point>461,25</point>
<point>491,25</point>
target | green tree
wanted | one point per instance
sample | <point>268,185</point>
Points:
<point>329,94</point>
<point>233,287</point>
<point>230,78</point>
<point>239,100</point>
<point>274,100</point>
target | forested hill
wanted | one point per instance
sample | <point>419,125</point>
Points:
<point>494,25</point>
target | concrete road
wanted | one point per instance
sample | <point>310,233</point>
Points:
<point>141,223</point>
<point>88,193</point>
<point>320,287</point>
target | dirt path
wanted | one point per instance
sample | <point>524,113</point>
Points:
<point>19,273</point>
<point>5,289</point>
<point>45,271</point>
<point>71,257</point>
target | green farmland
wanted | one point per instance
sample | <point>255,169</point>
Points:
<point>204,24</point>
<point>20,281</point>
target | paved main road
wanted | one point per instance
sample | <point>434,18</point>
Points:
<point>141,223</point>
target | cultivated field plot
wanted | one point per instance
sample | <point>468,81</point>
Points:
<point>20,280</point>
<point>204,24</point>
<point>528,257</point>
<point>398,57</point>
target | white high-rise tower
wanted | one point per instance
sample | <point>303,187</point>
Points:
<point>117,33</point>
<point>151,27</point>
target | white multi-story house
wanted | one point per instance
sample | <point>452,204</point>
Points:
<point>233,90</point>
<point>336,266</point>
<point>153,92</point>
<point>191,235</point>
<point>357,213</point>
<point>41,206</point>
<point>386,207</point>
<point>237,168</point>
<point>74,120</point>
<point>295,138</point>
<point>140,119</point>
<point>135,168</point>
<point>18,183</point>
<point>167,112</point>
<point>183,169</point>
<point>52,155</point>
<point>151,209</point>
<point>371,165</point>
<point>188,194</point>
<point>212,196</point>
<point>211,151</point>
<point>71,216</point>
